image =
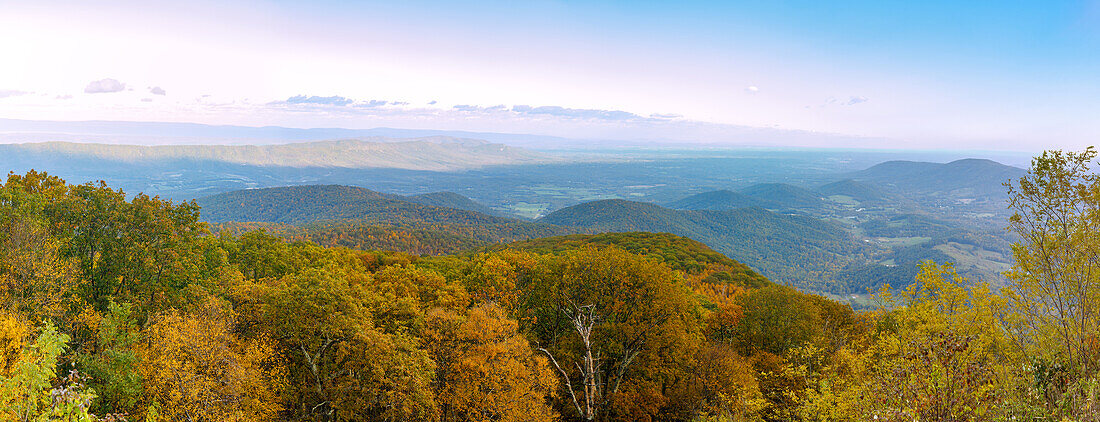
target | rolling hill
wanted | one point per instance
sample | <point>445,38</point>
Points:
<point>715,200</point>
<point>313,203</point>
<point>786,248</point>
<point>860,191</point>
<point>783,196</point>
<point>451,200</point>
<point>970,176</point>
<point>680,253</point>
<point>359,218</point>
<point>775,196</point>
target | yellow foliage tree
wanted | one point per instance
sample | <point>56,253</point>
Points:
<point>197,369</point>
<point>1055,281</point>
<point>939,353</point>
<point>487,370</point>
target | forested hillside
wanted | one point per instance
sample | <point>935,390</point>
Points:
<point>679,253</point>
<point>783,196</point>
<point>715,200</point>
<point>358,218</point>
<point>116,307</point>
<point>792,249</point>
<point>778,196</point>
<point>860,191</point>
<point>450,200</point>
<point>306,204</point>
<point>413,238</point>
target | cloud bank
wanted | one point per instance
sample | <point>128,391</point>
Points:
<point>104,86</point>
<point>333,100</point>
<point>5,93</point>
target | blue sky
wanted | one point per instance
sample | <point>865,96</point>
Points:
<point>980,75</point>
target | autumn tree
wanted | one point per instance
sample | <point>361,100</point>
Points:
<point>1055,280</point>
<point>609,321</point>
<point>487,371</point>
<point>35,279</point>
<point>342,365</point>
<point>722,386</point>
<point>196,368</point>
<point>937,352</point>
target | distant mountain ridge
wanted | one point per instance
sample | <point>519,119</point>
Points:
<point>783,195</point>
<point>776,196</point>
<point>312,203</point>
<point>715,200</point>
<point>337,215</point>
<point>436,153</point>
<point>855,189</point>
<point>980,176</point>
<point>451,200</point>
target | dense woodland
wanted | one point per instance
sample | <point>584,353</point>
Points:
<point>129,308</point>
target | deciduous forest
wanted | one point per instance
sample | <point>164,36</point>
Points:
<point>128,307</point>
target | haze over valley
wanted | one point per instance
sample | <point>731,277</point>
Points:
<point>838,222</point>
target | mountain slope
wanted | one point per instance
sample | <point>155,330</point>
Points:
<point>623,215</point>
<point>307,204</point>
<point>857,190</point>
<point>450,200</point>
<point>784,248</point>
<point>715,200</point>
<point>680,253</point>
<point>972,176</point>
<point>359,218</point>
<point>782,195</point>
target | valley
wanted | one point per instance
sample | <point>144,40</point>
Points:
<point>836,222</point>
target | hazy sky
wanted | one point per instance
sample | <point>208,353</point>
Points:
<point>1019,75</point>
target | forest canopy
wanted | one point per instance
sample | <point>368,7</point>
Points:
<point>118,307</point>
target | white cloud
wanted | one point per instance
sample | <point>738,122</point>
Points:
<point>146,100</point>
<point>856,100</point>
<point>104,86</point>
<point>752,89</point>
<point>853,100</point>
<point>156,90</point>
<point>4,93</point>
<point>666,116</point>
<point>334,100</point>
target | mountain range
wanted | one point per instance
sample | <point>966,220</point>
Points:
<point>431,153</point>
<point>786,248</point>
<point>978,178</point>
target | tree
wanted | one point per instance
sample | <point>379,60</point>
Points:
<point>608,320</point>
<point>486,370</point>
<point>26,383</point>
<point>723,386</point>
<point>938,352</point>
<point>34,278</point>
<point>342,366</point>
<point>196,368</point>
<point>114,368</point>
<point>1055,281</point>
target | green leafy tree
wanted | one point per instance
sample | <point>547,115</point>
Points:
<point>114,368</point>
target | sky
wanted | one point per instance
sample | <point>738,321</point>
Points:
<point>1007,75</point>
